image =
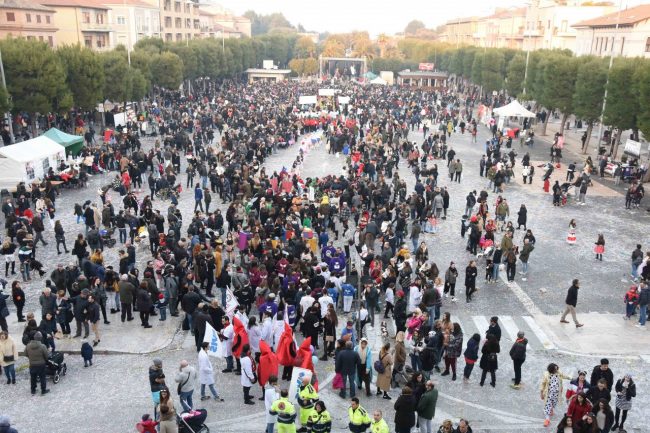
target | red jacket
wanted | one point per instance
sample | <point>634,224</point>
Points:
<point>286,351</point>
<point>576,411</point>
<point>241,337</point>
<point>268,365</point>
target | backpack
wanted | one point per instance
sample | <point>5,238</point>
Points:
<point>379,366</point>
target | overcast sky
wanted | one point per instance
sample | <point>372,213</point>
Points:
<point>340,16</point>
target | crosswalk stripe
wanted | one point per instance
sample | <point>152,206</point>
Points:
<point>539,333</point>
<point>481,323</point>
<point>509,325</point>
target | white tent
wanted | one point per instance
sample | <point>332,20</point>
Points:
<point>513,109</point>
<point>29,160</point>
<point>379,80</point>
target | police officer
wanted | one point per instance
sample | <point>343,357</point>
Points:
<point>378,424</point>
<point>307,396</point>
<point>286,413</point>
<point>320,420</point>
<point>359,419</point>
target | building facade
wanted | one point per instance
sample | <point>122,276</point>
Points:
<point>212,27</point>
<point>83,22</point>
<point>27,19</point>
<point>503,29</point>
<point>601,37</point>
<point>132,20</point>
<point>549,23</point>
<point>179,19</point>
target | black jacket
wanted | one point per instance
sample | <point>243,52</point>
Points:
<point>518,350</point>
<point>598,374</point>
<point>93,312</point>
<point>405,411</point>
<point>347,361</point>
<point>572,297</point>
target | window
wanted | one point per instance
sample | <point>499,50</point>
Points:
<point>38,19</point>
<point>88,41</point>
<point>647,45</point>
<point>177,6</point>
<point>548,24</point>
<point>168,22</point>
<point>179,37</point>
<point>30,38</point>
<point>50,40</point>
<point>168,37</point>
<point>168,5</point>
<point>11,17</point>
<point>28,17</point>
<point>48,19</point>
<point>85,17</point>
<point>188,23</point>
<point>101,41</point>
<point>99,18</point>
<point>121,20</point>
<point>40,38</point>
<point>187,8</point>
<point>564,26</point>
<point>606,42</point>
<point>178,23</point>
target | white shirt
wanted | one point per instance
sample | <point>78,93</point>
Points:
<point>206,373</point>
<point>246,371</point>
<point>267,331</point>
<point>325,301</point>
<point>278,329</point>
<point>306,302</point>
<point>390,295</point>
<point>229,333</point>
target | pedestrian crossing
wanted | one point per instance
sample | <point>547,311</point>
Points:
<point>510,326</point>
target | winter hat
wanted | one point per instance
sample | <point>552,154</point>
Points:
<point>38,336</point>
<point>157,362</point>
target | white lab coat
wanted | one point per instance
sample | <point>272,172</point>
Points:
<point>270,395</point>
<point>254,336</point>
<point>206,373</point>
<point>229,333</point>
<point>325,301</point>
<point>267,331</point>
<point>415,297</point>
<point>278,329</point>
<point>246,371</point>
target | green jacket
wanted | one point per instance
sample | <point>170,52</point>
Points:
<point>525,252</point>
<point>37,353</point>
<point>427,404</point>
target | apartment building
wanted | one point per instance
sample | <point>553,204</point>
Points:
<point>83,22</point>
<point>625,35</point>
<point>179,19</point>
<point>27,19</point>
<point>132,20</point>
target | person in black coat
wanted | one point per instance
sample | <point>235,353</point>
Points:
<point>399,312</point>
<point>489,362</point>
<point>405,407</point>
<point>94,317</point>
<point>522,217</point>
<point>311,326</point>
<point>201,317</point>
<point>471,271</point>
<point>602,371</point>
<point>79,309</point>
<point>143,301</point>
<point>599,391</point>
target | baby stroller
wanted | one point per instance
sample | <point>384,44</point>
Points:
<point>107,237</point>
<point>193,422</point>
<point>566,188</point>
<point>55,366</point>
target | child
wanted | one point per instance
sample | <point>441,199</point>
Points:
<point>489,271</point>
<point>162,306</point>
<point>147,425</point>
<point>87,353</point>
<point>78,212</point>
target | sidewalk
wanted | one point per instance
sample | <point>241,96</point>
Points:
<point>116,338</point>
<point>600,333</point>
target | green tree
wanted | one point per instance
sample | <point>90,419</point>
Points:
<point>589,93</point>
<point>643,80</point>
<point>36,79</point>
<point>84,75</point>
<point>559,87</point>
<point>622,108</point>
<point>118,80</point>
<point>515,75</point>
<point>152,45</point>
<point>137,85</point>
<point>468,61</point>
<point>167,70</point>
<point>413,27</point>
<point>477,69</point>
<point>5,102</point>
<point>492,71</point>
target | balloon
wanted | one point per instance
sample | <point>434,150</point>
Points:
<point>314,359</point>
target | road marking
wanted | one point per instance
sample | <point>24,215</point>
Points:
<point>481,323</point>
<point>507,415</point>
<point>523,297</point>
<point>510,326</point>
<point>539,333</point>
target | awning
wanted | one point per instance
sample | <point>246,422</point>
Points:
<point>72,143</point>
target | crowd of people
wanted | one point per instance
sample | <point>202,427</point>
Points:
<point>287,249</point>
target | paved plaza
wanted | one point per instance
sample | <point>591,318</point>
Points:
<point>115,392</point>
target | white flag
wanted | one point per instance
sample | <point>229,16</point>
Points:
<point>216,347</point>
<point>231,303</point>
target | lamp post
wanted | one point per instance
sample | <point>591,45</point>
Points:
<point>609,69</point>
<point>4,85</point>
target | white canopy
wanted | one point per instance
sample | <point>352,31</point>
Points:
<point>513,109</point>
<point>32,150</point>
<point>379,80</point>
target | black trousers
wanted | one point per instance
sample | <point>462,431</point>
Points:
<point>511,270</point>
<point>517,363</point>
<point>493,376</point>
<point>37,373</point>
<point>144,317</point>
<point>126,311</point>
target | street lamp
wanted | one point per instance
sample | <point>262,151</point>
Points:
<point>611,62</point>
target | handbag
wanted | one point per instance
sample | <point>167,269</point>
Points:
<point>337,382</point>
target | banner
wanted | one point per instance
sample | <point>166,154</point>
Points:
<point>326,92</point>
<point>344,99</point>
<point>296,380</point>
<point>306,100</point>
<point>217,348</point>
<point>632,148</point>
<point>231,303</point>
<point>426,67</point>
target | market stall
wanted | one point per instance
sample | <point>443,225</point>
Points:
<point>29,161</point>
<point>72,143</point>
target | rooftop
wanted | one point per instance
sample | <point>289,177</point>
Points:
<point>94,4</point>
<point>137,3</point>
<point>431,74</point>
<point>628,17</point>
<point>24,5</point>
